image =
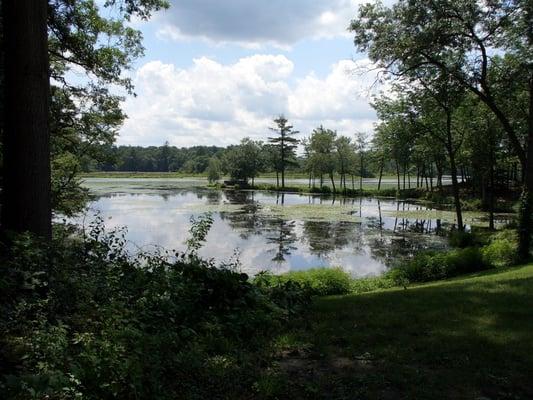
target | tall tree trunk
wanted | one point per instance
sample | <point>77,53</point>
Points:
<point>332,182</point>
<point>453,169</point>
<point>438,165</point>
<point>491,185</point>
<point>26,143</point>
<point>361,173</point>
<point>398,176</point>
<point>526,204</point>
<point>282,162</point>
<point>380,173</point>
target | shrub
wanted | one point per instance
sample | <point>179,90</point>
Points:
<point>461,239</point>
<point>317,282</point>
<point>80,318</point>
<point>502,251</point>
<point>325,189</point>
<point>364,285</point>
<point>429,266</point>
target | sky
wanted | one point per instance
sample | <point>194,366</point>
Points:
<point>215,72</point>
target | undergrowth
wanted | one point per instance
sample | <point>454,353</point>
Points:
<point>81,318</point>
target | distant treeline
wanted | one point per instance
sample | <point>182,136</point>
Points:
<point>163,158</point>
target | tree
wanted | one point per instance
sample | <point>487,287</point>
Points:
<point>285,143</point>
<point>324,157</point>
<point>213,170</point>
<point>437,105</point>
<point>462,38</point>
<point>244,161</point>
<point>26,204</point>
<point>361,143</point>
<point>345,157</point>
<point>164,158</point>
<point>67,33</point>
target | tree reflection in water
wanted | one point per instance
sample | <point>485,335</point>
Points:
<point>281,234</point>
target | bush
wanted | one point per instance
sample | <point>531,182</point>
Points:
<point>80,318</point>
<point>461,239</point>
<point>429,266</point>
<point>364,285</point>
<point>502,251</point>
<point>316,282</point>
<point>325,189</point>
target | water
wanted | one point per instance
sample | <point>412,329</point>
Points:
<point>268,231</point>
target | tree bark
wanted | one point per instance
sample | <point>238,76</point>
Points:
<point>526,205</point>
<point>380,174</point>
<point>398,176</point>
<point>453,169</point>
<point>26,143</point>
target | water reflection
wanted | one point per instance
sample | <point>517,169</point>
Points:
<point>365,245</point>
<point>281,234</point>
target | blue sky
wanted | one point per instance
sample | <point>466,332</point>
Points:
<point>216,71</point>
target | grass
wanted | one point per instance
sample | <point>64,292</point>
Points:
<point>466,338</point>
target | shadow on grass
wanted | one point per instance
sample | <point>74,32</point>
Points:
<point>470,340</point>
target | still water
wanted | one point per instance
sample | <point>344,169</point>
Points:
<point>265,230</point>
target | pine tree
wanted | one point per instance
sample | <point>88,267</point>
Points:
<point>286,144</point>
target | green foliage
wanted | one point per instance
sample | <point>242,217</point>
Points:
<point>68,196</point>
<point>318,282</point>
<point>244,161</point>
<point>80,318</point>
<point>85,116</point>
<point>198,231</point>
<point>284,144</point>
<point>426,267</point>
<point>364,285</point>
<point>502,251</point>
<point>461,239</point>
<point>214,170</point>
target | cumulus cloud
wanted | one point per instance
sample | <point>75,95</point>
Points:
<point>252,23</point>
<point>215,104</point>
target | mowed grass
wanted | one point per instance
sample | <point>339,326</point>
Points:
<point>468,338</point>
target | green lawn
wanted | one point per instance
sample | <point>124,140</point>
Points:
<point>468,338</point>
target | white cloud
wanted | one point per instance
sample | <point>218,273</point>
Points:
<point>254,23</point>
<point>214,104</point>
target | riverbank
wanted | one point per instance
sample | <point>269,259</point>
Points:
<point>467,337</point>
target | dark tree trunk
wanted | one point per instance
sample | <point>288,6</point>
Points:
<point>361,173</point>
<point>282,143</point>
<point>439,175</point>
<point>398,176</point>
<point>453,169</point>
<point>526,204</point>
<point>491,186</point>
<point>332,182</point>
<point>380,173</point>
<point>26,143</point>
